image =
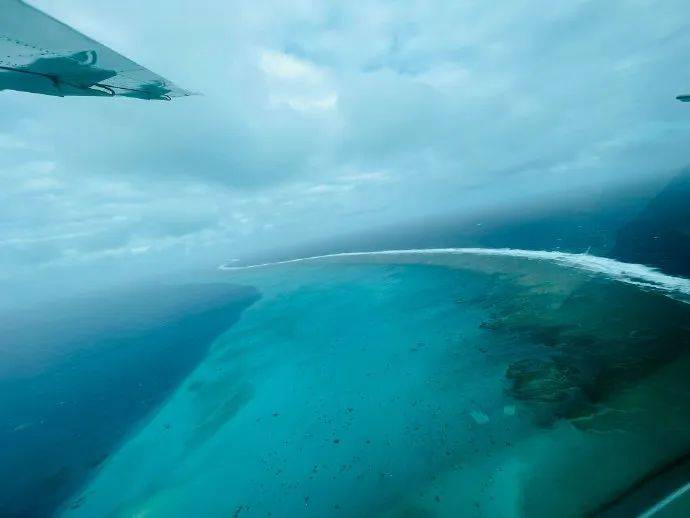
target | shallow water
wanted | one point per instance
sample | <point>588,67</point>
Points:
<point>481,386</point>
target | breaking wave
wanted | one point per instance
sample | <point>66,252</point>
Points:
<point>630,273</point>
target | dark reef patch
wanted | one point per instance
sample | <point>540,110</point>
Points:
<point>611,361</point>
<point>597,340</point>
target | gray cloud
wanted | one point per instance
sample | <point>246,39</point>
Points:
<point>319,118</point>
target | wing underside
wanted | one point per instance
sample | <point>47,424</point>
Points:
<point>40,54</point>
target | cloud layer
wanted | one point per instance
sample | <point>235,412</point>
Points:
<point>319,119</point>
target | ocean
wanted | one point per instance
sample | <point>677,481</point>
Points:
<point>424,384</point>
<point>79,376</point>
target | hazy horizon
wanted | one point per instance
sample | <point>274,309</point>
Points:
<point>318,121</point>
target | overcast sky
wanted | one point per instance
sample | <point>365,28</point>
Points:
<point>322,118</point>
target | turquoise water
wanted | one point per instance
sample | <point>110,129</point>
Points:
<point>480,387</point>
<point>310,400</point>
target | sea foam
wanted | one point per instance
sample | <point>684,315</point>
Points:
<point>630,273</point>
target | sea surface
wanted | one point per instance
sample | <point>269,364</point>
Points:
<point>79,376</point>
<point>398,384</point>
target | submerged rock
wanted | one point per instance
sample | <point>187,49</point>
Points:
<point>544,381</point>
<point>554,389</point>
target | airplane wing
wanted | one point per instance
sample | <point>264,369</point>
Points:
<point>40,54</point>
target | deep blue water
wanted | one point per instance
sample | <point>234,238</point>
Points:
<point>77,377</point>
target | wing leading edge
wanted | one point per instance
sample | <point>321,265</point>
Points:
<point>42,55</point>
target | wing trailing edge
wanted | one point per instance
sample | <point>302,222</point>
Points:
<point>39,54</point>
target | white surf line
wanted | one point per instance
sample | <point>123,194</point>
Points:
<point>663,503</point>
<point>630,273</point>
